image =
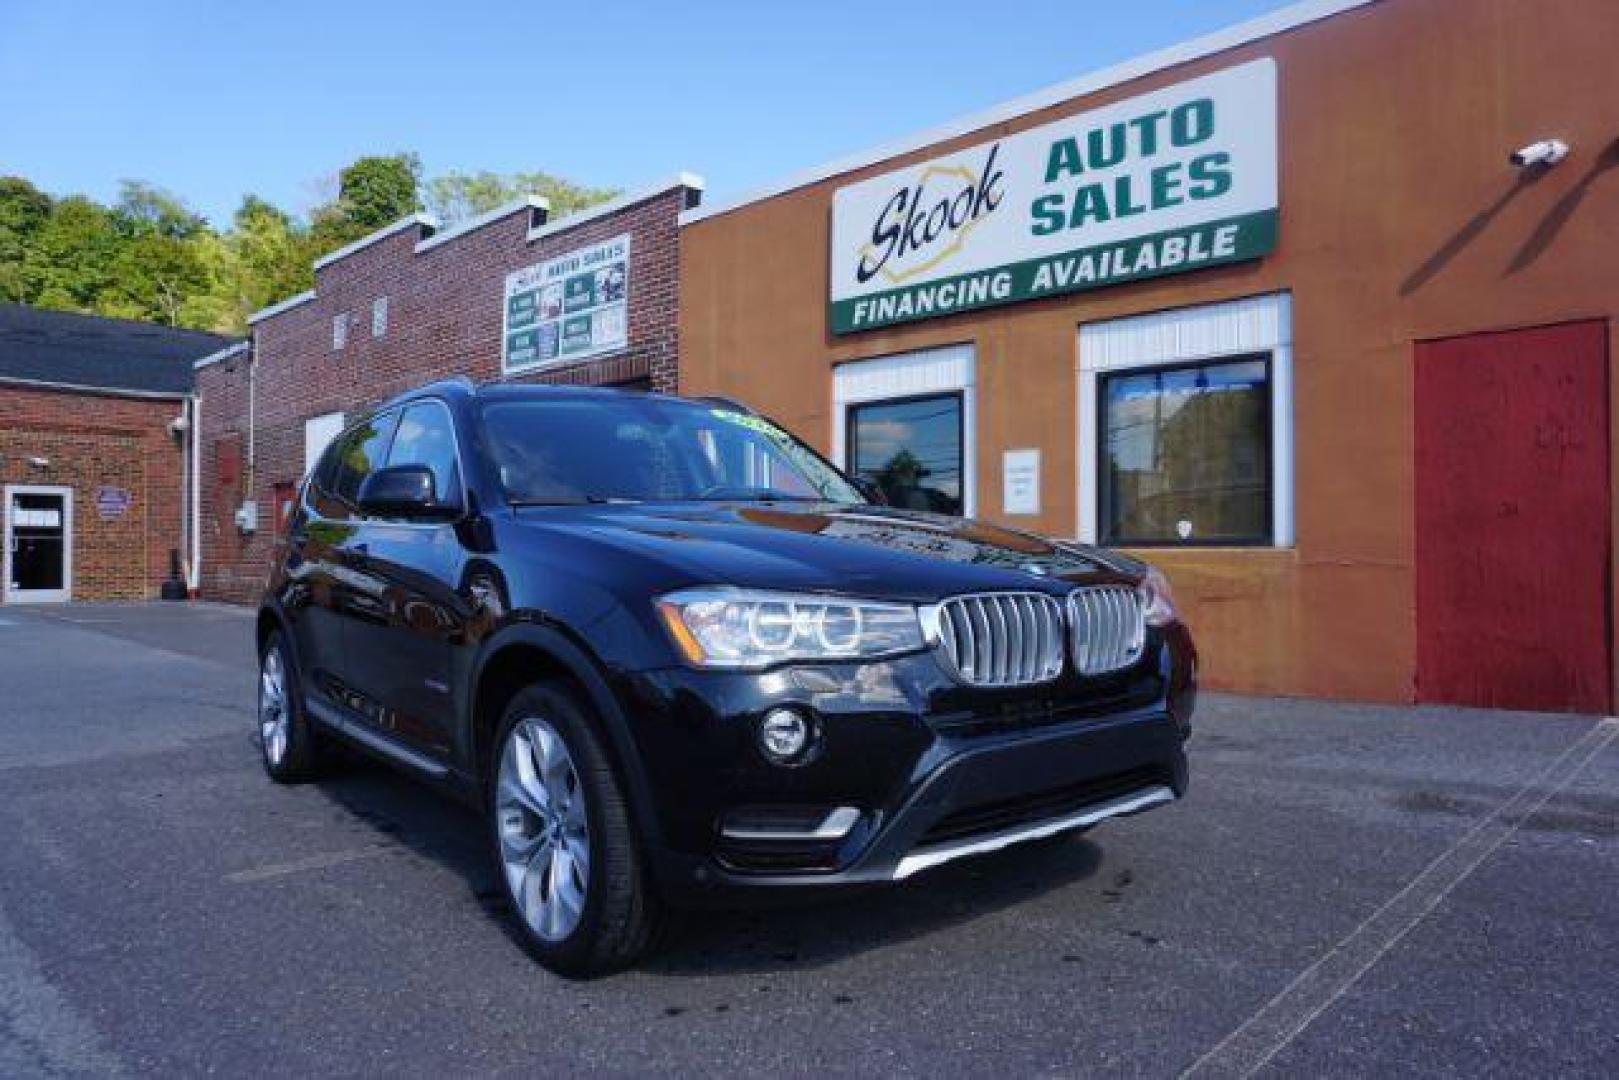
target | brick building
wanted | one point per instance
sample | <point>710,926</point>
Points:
<point>590,298</point>
<point>93,420</point>
<point>1317,313</point>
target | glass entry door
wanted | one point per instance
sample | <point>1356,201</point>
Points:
<point>38,544</point>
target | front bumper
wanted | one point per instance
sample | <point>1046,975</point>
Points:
<point>975,800</point>
<point>936,773</point>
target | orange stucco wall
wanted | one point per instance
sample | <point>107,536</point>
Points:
<point>1401,220</point>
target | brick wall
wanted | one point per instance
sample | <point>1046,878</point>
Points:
<point>91,441</point>
<point>445,312</point>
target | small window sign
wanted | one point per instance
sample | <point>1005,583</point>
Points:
<point>1020,481</point>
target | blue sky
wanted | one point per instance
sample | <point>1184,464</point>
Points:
<point>214,99</point>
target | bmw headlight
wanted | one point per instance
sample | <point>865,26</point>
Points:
<point>744,628</point>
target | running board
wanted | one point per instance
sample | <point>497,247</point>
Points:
<point>337,720</point>
<point>1090,815</point>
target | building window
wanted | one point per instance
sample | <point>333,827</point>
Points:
<point>340,331</point>
<point>906,423</point>
<point>379,316</point>
<point>1185,454</point>
<point>912,449</point>
<point>1186,426</point>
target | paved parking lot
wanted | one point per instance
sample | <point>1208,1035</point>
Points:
<point>1348,890</point>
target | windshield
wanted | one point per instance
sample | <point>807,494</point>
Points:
<point>649,449</point>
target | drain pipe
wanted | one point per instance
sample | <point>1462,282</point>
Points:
<point>193,570</point>
<point>194,564</point>
<point>251,488</point>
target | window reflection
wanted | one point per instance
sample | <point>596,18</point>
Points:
<point>911,449</point>
<point>1186,454</point>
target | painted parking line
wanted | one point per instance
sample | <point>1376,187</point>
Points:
<point>322,861</point>
<point>1281,1020</point>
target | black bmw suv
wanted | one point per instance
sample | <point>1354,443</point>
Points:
<point>678,657</point>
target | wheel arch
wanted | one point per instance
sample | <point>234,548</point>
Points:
<point>525,653</point>
<point>269,620</point>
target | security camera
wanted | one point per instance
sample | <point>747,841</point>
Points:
<point>40,462</point>
<point>179,425</point>
<point>1545,152</point>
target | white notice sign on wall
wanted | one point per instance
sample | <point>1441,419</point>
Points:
<point>1020,482</point>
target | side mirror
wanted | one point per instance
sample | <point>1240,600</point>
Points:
<point>402,491</point>
<point>871,490</point>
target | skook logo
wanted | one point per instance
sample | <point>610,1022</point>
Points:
<point>925,223</point>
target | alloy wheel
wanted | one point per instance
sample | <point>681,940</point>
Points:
<point>274,718</point>
<point>544,831</point>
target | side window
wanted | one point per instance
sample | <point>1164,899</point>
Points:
<point>360,453</point>
<point>325,471</point>
<point>426,436</point>
<point>318,493</point>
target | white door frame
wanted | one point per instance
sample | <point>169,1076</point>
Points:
<point>39,596</point>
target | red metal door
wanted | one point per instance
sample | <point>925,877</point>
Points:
<point>1512,531</point>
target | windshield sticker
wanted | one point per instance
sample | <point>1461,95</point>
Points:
<point>753,423</point>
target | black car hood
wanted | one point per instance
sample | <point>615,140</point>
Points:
<point>816,547</point>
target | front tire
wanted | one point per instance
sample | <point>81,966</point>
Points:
<point>564,845</point>
<point>286,741</point>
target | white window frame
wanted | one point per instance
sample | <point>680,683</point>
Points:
<point>319,431</point>
<point>340,332</point>
<point>946,369</point>
<point>1208,332</point>
<point>37,596</point>
<point>379,316</point>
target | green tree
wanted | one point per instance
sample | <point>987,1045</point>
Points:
<point>266,258</point>
<point>144,209</point>
<point>456,196</point>
<point>24,209</point>
<point>159,266</point>
<point>149,256</point>
<point>69,263</point>
<point>372,192</point>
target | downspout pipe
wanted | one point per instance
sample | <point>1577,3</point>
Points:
<point>194,564</point>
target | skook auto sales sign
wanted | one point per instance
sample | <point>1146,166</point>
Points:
<point>1176,180</point>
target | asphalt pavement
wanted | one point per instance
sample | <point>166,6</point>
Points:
<point>1348,890</point>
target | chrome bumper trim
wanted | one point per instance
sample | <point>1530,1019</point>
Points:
<point>835,826</point>
<point>924,858</point>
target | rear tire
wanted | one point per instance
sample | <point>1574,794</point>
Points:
<point>287,740</point>
<point>565,847</point>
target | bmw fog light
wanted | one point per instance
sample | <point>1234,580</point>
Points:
<point>784,736</point>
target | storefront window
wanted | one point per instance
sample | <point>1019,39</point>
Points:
<point>911,449</point>
<point>1185,454</point>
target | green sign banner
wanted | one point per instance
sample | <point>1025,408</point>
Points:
<point>1177,180</point>
<point>1173,252</point>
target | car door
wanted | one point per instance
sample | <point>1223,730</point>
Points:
<point>399,646</point>
<point>318,590</point>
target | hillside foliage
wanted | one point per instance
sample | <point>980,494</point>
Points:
<point>148,256</point>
